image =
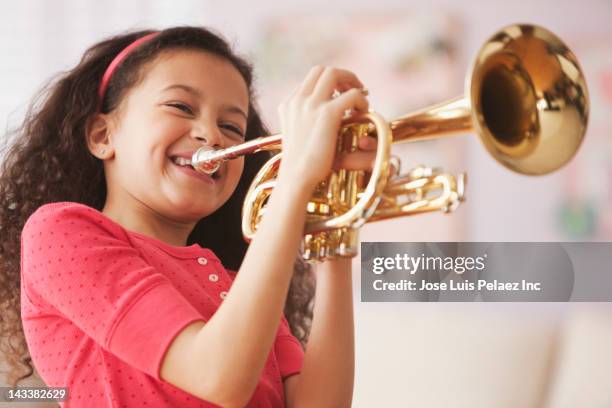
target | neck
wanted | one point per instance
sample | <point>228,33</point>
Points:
<point>145,220</point>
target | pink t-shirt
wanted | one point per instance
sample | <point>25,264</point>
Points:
<point>101,304</point>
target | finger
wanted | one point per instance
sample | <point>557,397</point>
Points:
<point>309,82</point>
<point>357,160</point>
<point>331,79</point>
<point>367,143</point>
<point>392,170</point>
<point>352,99</point>
<point>345,86</point>
<point>294,91</point>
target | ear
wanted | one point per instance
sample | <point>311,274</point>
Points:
<point>99,142</point>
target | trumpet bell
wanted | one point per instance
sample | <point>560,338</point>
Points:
<point>529,99</point>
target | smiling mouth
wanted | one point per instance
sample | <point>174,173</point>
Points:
<point>183,162</point>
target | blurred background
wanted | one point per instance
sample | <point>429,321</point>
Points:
<point>409,54</point>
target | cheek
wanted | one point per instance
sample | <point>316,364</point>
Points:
<point>232,178</point>
<point>128,151</point>
<point>235,169</point>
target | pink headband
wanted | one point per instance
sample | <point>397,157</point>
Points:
<point>112,67</point>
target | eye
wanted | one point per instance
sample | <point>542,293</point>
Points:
<point>233,128</point>
<point>182,107</point>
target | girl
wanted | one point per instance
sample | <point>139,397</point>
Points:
<point>118,261</point>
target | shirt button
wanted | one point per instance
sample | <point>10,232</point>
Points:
<point>213,277</point>
<point>223,294</point>
<point>202,261</point>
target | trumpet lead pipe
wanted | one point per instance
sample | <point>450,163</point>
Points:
<point>208,160</point>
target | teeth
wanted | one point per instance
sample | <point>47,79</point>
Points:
<point>181,161</point>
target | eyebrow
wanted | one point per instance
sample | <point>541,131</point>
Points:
<point>197,93</point>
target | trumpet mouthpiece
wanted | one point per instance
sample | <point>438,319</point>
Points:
<point>203,161</point>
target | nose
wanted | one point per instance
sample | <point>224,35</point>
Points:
<point>210,135</point>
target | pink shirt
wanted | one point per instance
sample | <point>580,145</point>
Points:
<point>100,305</point>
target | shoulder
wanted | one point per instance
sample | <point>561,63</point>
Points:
<point>65,217</point>
<point>61,210</point>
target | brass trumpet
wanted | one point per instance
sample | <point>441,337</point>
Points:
<point>525,97</point>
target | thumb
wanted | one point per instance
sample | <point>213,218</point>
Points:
<point>358,160</point>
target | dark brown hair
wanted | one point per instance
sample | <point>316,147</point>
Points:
<point>47,160</point>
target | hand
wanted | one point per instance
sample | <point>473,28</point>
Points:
<point>363,158</point>
<point>310,121</point>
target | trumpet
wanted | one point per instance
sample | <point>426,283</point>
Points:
<point>525,97</point>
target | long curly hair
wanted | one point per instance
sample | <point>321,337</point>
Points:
<point>46,160</point>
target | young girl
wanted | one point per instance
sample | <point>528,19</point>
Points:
<point>127,270</point>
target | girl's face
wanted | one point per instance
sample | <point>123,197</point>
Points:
<point>186,99</point>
